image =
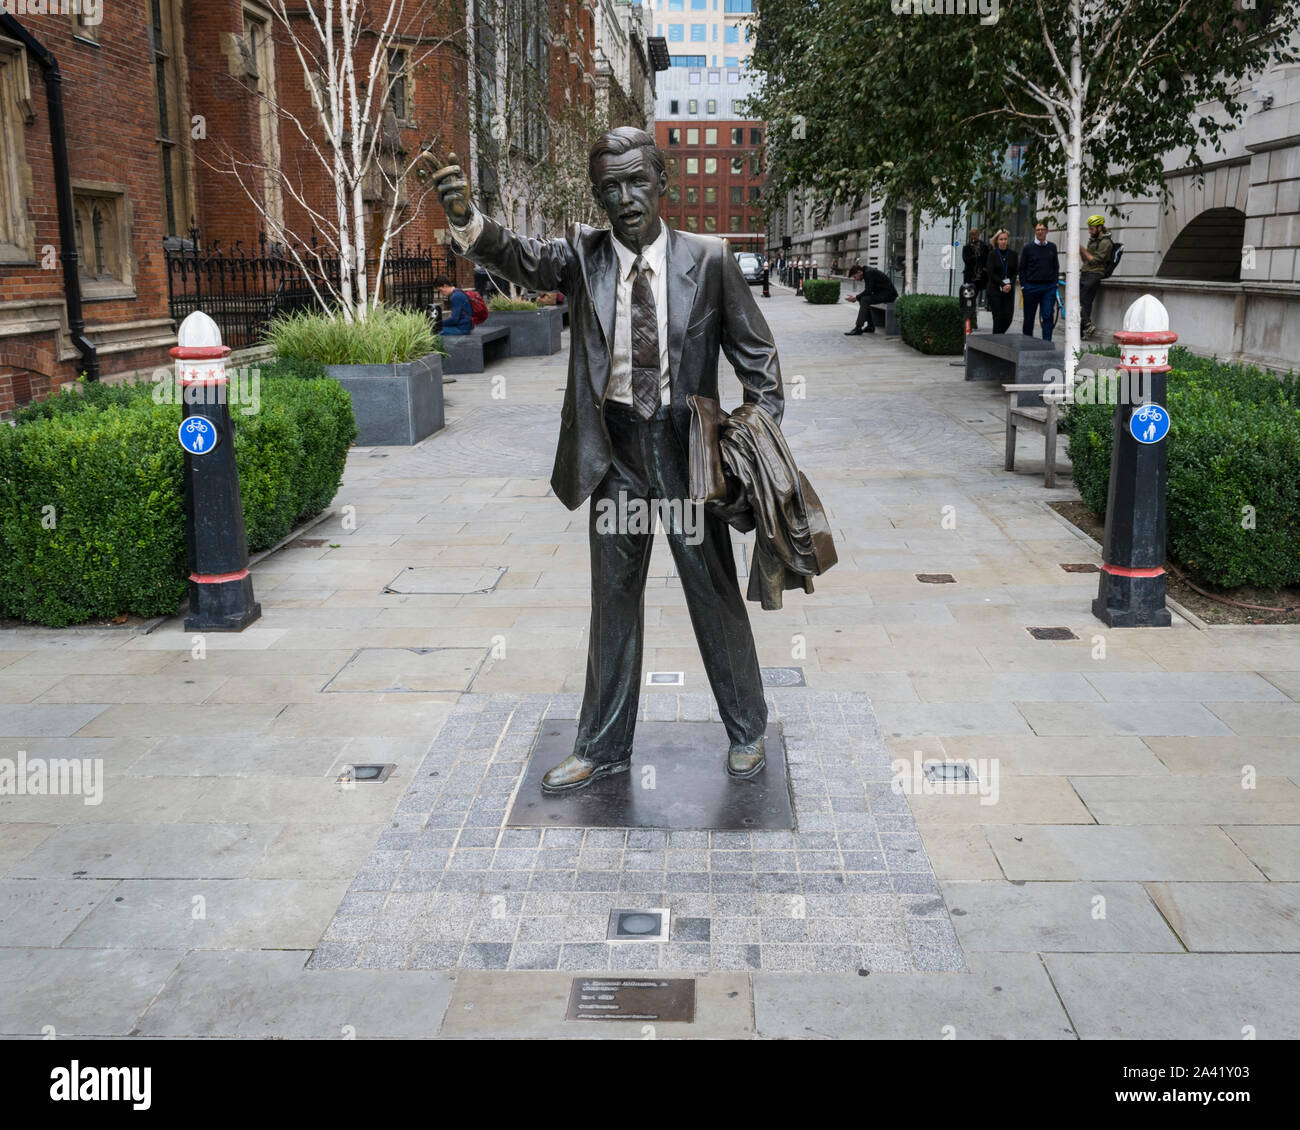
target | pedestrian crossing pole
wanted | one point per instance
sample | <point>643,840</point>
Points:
<point>1131,593</point>
<point>221,588</point>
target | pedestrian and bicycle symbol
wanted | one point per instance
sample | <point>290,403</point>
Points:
<point>198,436</point>
<point>1149,423</point>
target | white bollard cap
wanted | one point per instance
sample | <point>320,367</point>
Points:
<point>1148,313</point>
<point>198,331</point>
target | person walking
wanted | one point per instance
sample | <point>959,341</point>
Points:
<point>1096,258</point>
<point>876,288</point>
<point>1040,268</point>
<point>1003,264</point>
<point>974,258</point>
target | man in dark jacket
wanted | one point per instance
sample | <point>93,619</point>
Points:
<point>649,310</point>
<point>1040,269</point>
<point>461,318</point>
<point>974,256</point>
<point>876,289</point>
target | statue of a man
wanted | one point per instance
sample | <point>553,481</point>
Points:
<point>649,308</point>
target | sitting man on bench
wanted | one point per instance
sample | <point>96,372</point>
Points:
<point>461,318</point>
<point>876,289</point>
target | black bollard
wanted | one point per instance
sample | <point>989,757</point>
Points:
<point>1131,592</point>
<point>766,292</point>
<point>221,589</point>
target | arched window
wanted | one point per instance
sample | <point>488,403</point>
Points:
<point>1208,248</point>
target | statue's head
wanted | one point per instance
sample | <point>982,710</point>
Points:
<point>628,178</point>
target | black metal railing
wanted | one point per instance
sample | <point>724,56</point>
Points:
<point>243,291</point>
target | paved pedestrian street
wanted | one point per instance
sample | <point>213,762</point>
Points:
<point>1124,862</point>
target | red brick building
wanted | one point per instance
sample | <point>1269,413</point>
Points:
<point>715,177</point>
<point>158,97</point>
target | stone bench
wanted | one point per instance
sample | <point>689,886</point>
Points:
<point>886,319</point>
<point>467,353</point>
<point>1014,358</point>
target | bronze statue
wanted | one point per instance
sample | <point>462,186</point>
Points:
<point>649,310</point>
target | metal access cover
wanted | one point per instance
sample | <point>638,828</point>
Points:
<point>625,998</point>
<point>665,678</point>
<point>447,579</point>
<point>407,670</point>
<point>368,773</point>
<point>638,925</point>
<point>949,771</point>
<point>1080,567</point>
<point>1052,633</point>
<point>783,677</point>
<point>936,578</point>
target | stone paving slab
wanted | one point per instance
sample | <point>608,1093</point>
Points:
<point>1232,917</point>
<point>1179,996</point>
<point>451,885</point>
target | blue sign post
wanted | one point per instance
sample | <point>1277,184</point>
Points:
<point>1149,424</point>
<point>197,435</point>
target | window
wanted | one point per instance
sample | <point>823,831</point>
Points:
<point>674,5</point>
<point>173,125</point>
<point>737,136</point>
<point>715,76</point>
<point>103,234</point>
<point>710,137</point>
<point>710,165</point>
<point>755,137</point>
<point>692,166</point>
<point>687,61</point>
<point>753,194</point>
<point>693,106</point>
<point>692,194</point>
<point>710,194</point>
<point>755,166</point>
<point>735,223</point>
<point>17,235</point>
<point>397,60</point>
<point>670,166</point>
<point>739,6</point>
<point>260,73</point>
<point>698,5</point>
<point>672,106</point>
<point>710,223</point>
<point>699,33</point>
<point>692,223</point>
<point>737,194</point>
<point>737,166</point>
<point>674,195</point>
<point>712,107</point>
<point>692,136</point>
<point>674,136</point>
<point>676,33</point>
<point>732,34</point>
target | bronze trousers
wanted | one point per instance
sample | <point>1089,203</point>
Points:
<point>649,463</point>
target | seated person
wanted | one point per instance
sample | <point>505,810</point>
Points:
<point>461,318</point>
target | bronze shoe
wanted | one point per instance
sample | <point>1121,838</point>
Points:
<point>745,761</point>
<point>574,773</point>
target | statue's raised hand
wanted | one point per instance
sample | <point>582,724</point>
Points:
<point>453,191</point>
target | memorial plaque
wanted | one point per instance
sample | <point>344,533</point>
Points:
<point>632,998</point>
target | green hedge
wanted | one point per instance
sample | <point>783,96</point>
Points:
<point>930,323</point>
<point>1234,442</point>
<point>92,501</point>
<point>821,292</point>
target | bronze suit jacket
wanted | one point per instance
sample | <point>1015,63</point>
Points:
<point>710,307</point>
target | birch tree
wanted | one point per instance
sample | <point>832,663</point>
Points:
<point>345,50</point>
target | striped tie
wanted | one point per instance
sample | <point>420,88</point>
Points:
<point>645,343</point>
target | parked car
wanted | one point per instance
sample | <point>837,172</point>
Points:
<point>751,266</point>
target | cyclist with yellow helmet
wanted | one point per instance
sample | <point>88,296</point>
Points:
<point>1095,257</point>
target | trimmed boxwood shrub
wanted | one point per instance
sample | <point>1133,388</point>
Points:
<point>92,500</point>
<point>1234,443</point>
<point>930,323</point>
<point>821,292</point>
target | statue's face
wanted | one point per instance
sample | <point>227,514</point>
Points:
<point>628,187</point>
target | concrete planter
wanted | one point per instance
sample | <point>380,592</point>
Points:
<point>394,404</point>
<point>533,333</point>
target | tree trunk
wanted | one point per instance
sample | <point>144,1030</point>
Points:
<point>909,281</point>
<point>1073,203</point>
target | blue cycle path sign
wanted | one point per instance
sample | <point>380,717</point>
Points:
<point>1149,424</point>
<point>198,436</point>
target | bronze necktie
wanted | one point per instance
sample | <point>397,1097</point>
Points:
<point>645,343</point>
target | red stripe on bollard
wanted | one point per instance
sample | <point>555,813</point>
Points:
<point>1124,571</point>
<point>217,578</point>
